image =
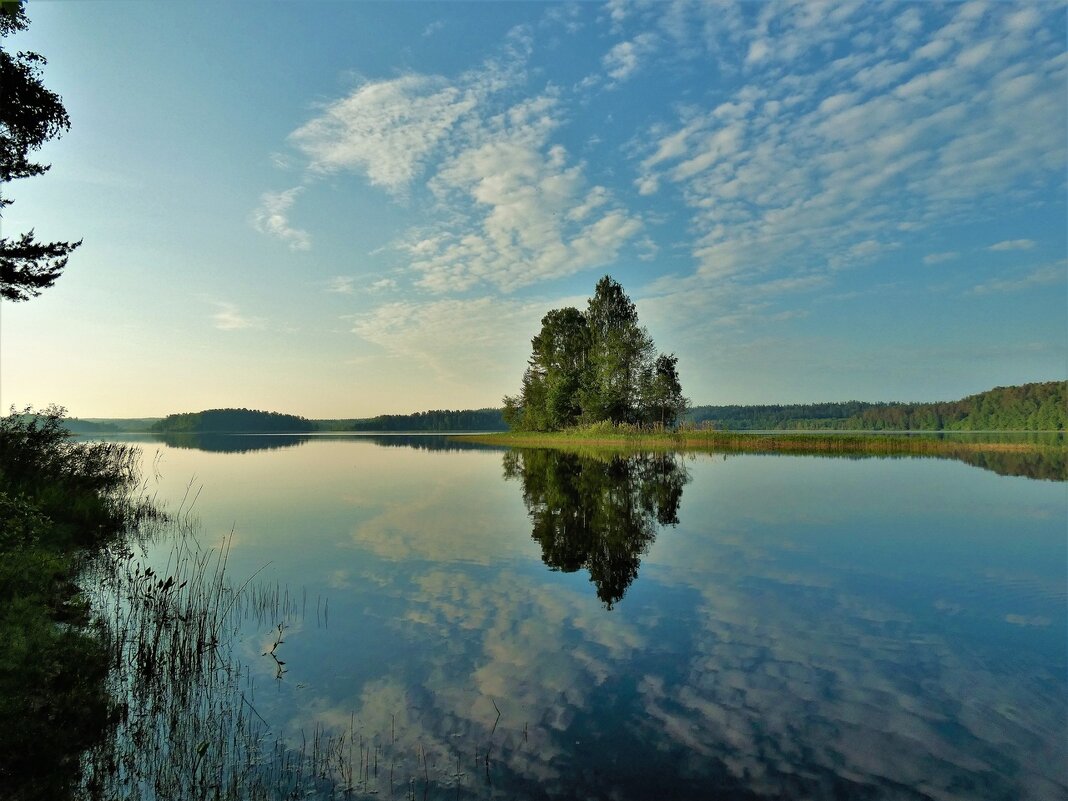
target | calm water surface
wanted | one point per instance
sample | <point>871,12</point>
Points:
<point>650,627</point>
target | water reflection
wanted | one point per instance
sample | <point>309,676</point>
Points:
<point>1049,464</point>
<point>247,443</point>
<point>429,442</point>
<point>1045,457</point>
<point>811,628</point>
<point>232,443</point>
<point>598,512</point>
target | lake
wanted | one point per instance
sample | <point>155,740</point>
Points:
<point>486,623</point>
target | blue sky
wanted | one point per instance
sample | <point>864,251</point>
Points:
<point>343,209</point>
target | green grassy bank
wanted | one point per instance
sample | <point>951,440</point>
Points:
<point>1034,457</point>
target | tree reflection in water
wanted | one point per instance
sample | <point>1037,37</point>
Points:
<point>598,511</point>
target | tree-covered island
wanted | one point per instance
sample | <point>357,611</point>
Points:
<point>232,421</point>
<point>596,366</point>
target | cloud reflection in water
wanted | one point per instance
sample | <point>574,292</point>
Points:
<point>808,628</point>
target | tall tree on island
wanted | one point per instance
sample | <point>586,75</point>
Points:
<point>662,392</point>
<point>620,352</point>
<point>30,115</point>
<point>596,366</point>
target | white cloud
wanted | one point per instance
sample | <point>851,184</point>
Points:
<point>647,249</point>
<point>510,207</point>
<point>272,217</point>
<point>618,11</point>
<point>647,185</point>
<point>521,210</point>
<point>1013,244</point>
<point>938,258</point>
<point>1023,20</point>
<point>811,164</point>
<point>625,58</point>
<point>759,50</point>
<point>229,318</point>
<point>385,129</point>
<point>392,130</point>
<point>1041,276</point>
<point>341,285</point>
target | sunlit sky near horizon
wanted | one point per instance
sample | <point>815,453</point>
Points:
<point>342,209</point>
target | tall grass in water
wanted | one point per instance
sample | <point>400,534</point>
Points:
<point>119,679</point>
<point>188,727</point>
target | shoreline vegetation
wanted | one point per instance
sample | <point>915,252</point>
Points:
<point>1045,456</point>
<point>1026,407</point>
<point>905,443</point>
<point>61,503</point>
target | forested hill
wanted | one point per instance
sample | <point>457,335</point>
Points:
<point>1029,407</point>
<point>434,420</point>
<point>247,421</point>
<point>777,416</point>
<point>233,421</point>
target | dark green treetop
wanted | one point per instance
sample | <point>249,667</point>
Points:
<point>30,115</point>
<point>599,365</point>
<point>232,421</point>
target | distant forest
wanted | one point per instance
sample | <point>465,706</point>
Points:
<point>434,420</point>
<point>1030,407</point>
<point>76,426</point>
<point>247,421</point>
<point>232,421</point>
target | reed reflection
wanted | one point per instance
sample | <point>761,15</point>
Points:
<point>598,511</point>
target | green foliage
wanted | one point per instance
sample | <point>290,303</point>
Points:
<point>58,498</point>
<point>662,390</point>
<point>620,353</point>
<point>773,416</point>
<point>1030,407</point>
<point>432,420</point>
<point>594,366</point>
<point>54,703</point>
<point>81,487</point>
<point>233,421</point>
<point>558,367</point>
<point>30,116</point>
